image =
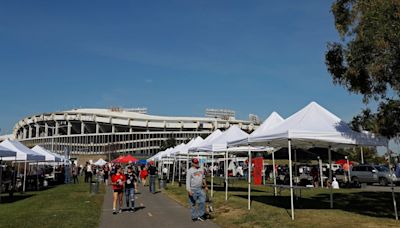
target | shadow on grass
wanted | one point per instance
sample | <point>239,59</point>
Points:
<point>6,199</point>
<point>234,189</point>
<point>374,204</point>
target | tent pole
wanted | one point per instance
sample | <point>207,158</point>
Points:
<point>249,178</point>
<point>321,176</point>
<point>173,171</point>
<point>226,175</point>
<point>179,170</point>
<point>37,176</point>
<point>23,186</point>
<point>330,175</point>
<point>391,183</point>
<point>291,178</point>
<point>212,174</point>
<point>274,172</point>
<point>362,155</point>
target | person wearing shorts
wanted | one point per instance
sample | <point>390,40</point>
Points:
<point>118,181</point>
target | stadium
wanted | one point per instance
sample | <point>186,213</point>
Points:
<point>109,132</point>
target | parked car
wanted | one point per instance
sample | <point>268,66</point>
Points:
<point>372,174</point>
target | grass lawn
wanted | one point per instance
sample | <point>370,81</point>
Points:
<point>62,206</point>
<point>351,207</point>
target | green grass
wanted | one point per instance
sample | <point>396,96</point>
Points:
<point>352,207</point>
<point>62,206</point>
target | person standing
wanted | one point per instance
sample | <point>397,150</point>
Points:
<point>195,181</point>
<point>105,174</point>
<point>130,188</point>
<point>89,172</point>
<point>75,174</point>
<point>118,181</point>
<point>153,175</point>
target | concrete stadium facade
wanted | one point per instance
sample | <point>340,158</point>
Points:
<point>113,131</point>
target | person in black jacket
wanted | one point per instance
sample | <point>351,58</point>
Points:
<point>130,188</point>
<point>153,175</point>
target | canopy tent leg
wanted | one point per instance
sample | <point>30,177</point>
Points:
<point>321,176</point>
<point>226,175</point>
<point>173,171</point>
<point>249,184</point>
<point>291,178</point>
<point>330,176</point>
<point>23,185</point>
<point>362,155</point>
<point>179,171</point>
<point>274,172</point>
<point>212,174</point>
<point>391,183</point>
<point>37,176</point>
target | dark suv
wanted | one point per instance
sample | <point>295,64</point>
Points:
<point>372,174</point>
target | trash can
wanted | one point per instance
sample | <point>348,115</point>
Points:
<point>94,187</point>
<point>162,184</point>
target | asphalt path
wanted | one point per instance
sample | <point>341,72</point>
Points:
<point>152,210</point>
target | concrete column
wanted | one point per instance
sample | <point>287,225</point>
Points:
<point>37,130</point>
<point>57,128</point>
<point>113,129</point>
<point>30,131</point>
<point>130,130</point>
<point>83,128</point>
<point>46,129</point>
<point>25,133</point>
<point>97,128</point>
<point>69,128</point>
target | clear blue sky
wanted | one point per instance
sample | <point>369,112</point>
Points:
<point>174,57</point>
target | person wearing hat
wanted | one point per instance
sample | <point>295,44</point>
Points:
<point>195,181</point>
<point>152,171</point>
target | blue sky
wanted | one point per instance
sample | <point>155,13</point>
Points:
<point>174,57</point>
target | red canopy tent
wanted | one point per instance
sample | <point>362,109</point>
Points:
<point>128,158</point>
<point>118,160</point>
<point>343,161</point>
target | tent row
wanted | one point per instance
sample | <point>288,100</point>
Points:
<point>312,126</point>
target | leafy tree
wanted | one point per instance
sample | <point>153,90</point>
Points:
<point>171,142</point>
<point>367,59</point>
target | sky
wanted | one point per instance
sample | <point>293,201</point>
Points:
<point>176,58</point>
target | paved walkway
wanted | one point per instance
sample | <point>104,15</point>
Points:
<point>151,211</point>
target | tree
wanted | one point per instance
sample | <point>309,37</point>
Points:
<point>367,60</point>
<point>171,142</point>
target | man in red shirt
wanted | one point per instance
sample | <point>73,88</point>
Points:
<point>118,181</point>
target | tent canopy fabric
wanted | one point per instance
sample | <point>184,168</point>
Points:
<point>100,162</point>
<point>5,152</point>
<point>23,153</point>
<point>206,141</point>
<point>48,156</point>
<point>273,119</point>
<point>220,143</point>
<point>314,125</point>
<point>128,158</point>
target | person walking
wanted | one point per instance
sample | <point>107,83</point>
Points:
<point>195,182</point>
<point>143,176</point>
<point>130,188</point>
<point>153,175</point>
<point>118,181</point>
<point>106,172</point>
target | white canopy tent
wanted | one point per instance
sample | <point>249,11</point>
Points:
<point>23,153</point>
<point>310,127</point>
<point>4,152</point>
<point>48,156</point>
<point>100,162</point>
<point>273,120</point>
